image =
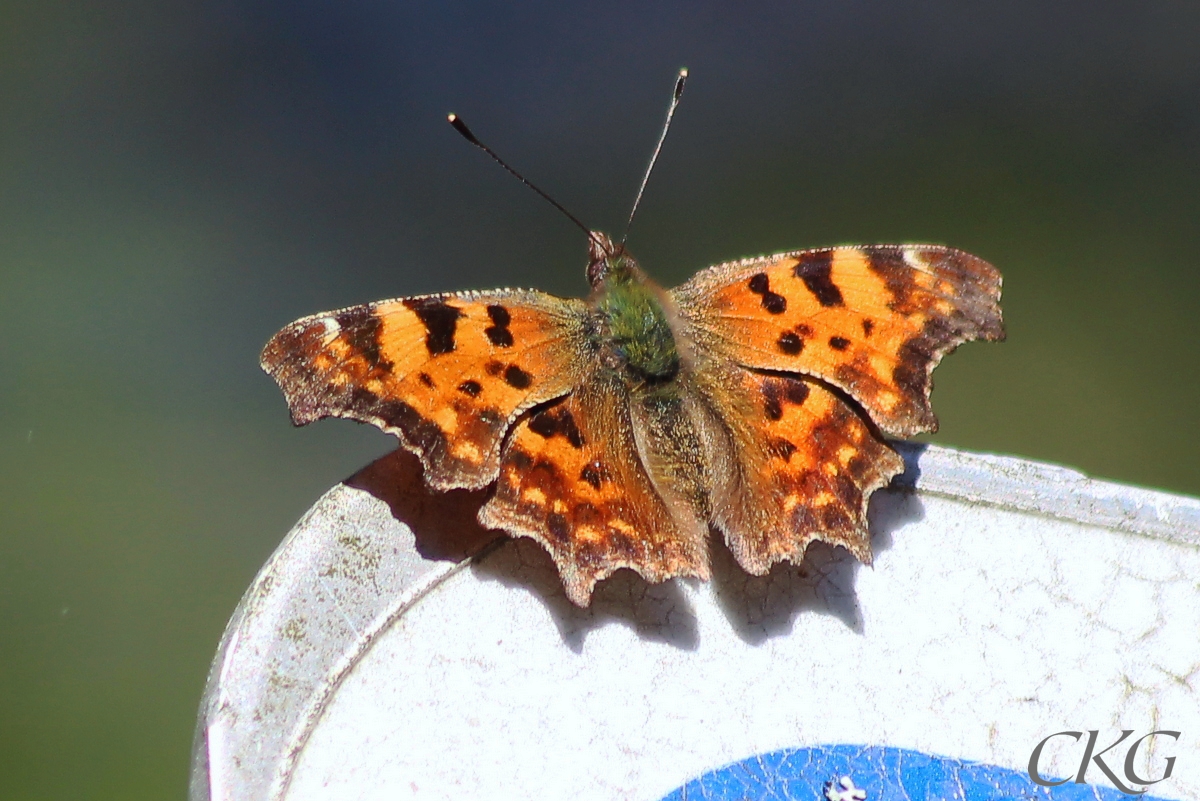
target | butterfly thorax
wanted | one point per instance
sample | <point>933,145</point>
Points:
<point>632,329</point>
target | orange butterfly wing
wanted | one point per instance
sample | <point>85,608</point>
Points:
<point>872,321</point>
<point>801,464</point>
<point>792,366</point>
<point>572,479</point>
<point>447,374</point>
<point>808,358</point>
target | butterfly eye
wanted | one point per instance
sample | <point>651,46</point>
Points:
<point>596,270</point>
<point>601,253</point>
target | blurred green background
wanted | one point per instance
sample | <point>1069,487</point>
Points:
<point>180,179</point>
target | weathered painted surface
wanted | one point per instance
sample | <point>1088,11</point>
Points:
<point>1009,600</point>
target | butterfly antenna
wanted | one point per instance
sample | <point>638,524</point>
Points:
<point>683,73</point>
<point>462,128</point>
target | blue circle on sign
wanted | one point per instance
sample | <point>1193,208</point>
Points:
<point>883,774</point>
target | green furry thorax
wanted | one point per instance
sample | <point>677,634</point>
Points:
<point>634,327</point>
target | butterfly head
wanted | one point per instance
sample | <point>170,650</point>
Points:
<point>607,260</point>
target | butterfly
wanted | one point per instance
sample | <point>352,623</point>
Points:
<point>620,430</point>
<point>754,398</point>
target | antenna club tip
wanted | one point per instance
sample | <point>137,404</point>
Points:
<point>462,128</point>
<point>683,73</point>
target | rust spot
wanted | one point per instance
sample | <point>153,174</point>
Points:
<point>584,513</point>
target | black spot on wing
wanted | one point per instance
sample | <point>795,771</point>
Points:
<point>519,459</point>
<point>360,326</point>
<point>795,391</point>
<point>790,343</point>
<point>498,333</point>
<point>471,388</point>
<point>839,343</point>
<point>889,264</point>
<point>517,378</point>
<point>440,320</point>
<point>554,422</point>
<point>772,403</point>
<point>544,424</point>
<point>868,327</point>
<point>774,303</point>
<point>592,473</point>
<point>780,390</point>
<point>781,448</point>
<point>814,270</point>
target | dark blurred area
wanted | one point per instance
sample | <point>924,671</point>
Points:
<point>178,180</point>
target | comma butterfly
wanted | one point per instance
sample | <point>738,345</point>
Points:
<point>618,430</point>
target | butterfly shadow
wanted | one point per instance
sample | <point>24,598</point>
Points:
<point>655,612</point>
<point>761,607</point>
<point>758,607</point>
<point>445,527</point>
<point>443,523</point>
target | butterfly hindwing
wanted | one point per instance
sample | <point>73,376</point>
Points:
<point>448,374</point>
<point>572,479</point>
<point>806,464</point>
<point>871,320</point>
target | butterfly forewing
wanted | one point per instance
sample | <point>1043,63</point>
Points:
<point>448,374</point>
<point>871,320</point>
